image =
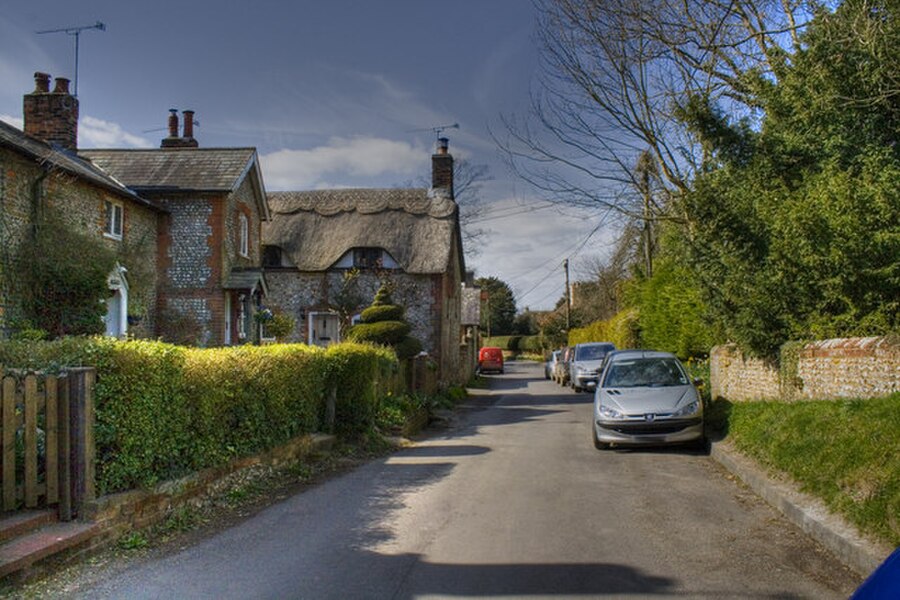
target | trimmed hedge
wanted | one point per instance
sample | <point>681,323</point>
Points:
<point>163,411</point>
<point>383,332</point>
<point>381,312</point>
<point>622,330</point>
<point>515,343</point>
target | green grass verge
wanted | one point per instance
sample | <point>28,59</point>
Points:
<point>846,452</point>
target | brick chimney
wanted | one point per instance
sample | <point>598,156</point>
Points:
<point>442,167</point>
<point>52,116</point>
<point>174,141</point>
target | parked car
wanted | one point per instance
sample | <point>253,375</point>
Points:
<point>551,364</point>
<point>584,369</point>
<point>561,372</point>
<point>490,358</point>
<point>646,397</point>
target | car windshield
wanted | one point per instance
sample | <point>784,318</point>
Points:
<point>592,352</point>
<point>645,372</point>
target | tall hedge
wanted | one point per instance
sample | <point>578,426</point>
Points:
<point>163,411</point>
<point>622,330</point>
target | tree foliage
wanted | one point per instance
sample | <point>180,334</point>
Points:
<point>799,237</point>
<point>498,313</point>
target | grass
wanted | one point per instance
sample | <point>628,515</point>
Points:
<point>846,452</point>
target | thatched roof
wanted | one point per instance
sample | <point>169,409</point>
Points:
<point>315,229</point>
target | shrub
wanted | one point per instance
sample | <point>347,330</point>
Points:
<point>361,375</point>
<point>389,312</point>
<point>386,333</point>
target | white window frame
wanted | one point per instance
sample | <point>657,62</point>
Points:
<point>113,219</point>
<point>244,235</point>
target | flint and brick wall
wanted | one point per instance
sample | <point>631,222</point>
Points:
<point>838,368</point>
<point>82,206</point>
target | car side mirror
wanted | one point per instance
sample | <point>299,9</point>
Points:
<point>698,382</point>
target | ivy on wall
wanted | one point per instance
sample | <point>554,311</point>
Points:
<point>62,277</point>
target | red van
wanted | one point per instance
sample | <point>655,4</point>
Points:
<point>490,359</point>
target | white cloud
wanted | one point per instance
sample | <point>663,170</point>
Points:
<point>526,248</point>
<point>14,121</point>
<point>97,133</point>
<point>342,158</point>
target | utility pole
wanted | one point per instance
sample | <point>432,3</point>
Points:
<point>568,298</point>
<point>76,32</point>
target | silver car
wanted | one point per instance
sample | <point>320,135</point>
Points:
<point>551,364</point>
<point>585,366</point>
<point>646,397</point>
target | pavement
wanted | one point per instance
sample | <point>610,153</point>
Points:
<point>806,512</point>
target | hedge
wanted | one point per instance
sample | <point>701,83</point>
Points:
<point>622,330</point>
<point>515,343</point>
<point>163,411</point>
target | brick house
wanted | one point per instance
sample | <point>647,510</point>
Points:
<point>40,173</point>
<point>210,280</point>
<point>327,252</point>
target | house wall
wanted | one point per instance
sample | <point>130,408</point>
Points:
<point>837,368</point>
<point>199,248</point>
<point>297,292</point>
<point>191,299</point>
<point>82,205</point>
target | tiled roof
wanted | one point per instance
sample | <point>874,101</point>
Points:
<point>42,152</point>
<point>181,169</point>
<point>315,229</point>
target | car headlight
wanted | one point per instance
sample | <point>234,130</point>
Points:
<point>687,410</point>
<point>607,412</point>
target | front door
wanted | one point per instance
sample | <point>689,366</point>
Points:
<point>324,329</point>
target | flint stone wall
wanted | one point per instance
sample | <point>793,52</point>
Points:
<point>838,368</point>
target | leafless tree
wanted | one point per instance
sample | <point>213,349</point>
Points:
<point>614,76</point>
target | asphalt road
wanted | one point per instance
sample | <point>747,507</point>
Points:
<point>512,500</point>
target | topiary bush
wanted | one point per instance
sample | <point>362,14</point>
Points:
<point>383,324</point>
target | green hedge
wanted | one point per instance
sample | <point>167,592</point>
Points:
<point>163,411</point>
<point>382,332</point>
<point>514,343</point>
<point>381,312</point>
<point>622,330</point>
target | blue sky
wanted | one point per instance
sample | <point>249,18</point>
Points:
<point>332,93</point>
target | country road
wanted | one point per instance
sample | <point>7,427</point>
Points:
<point>512,500</point>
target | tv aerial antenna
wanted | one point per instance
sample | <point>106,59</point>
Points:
<point>76,33</point>
<point>437,130</point>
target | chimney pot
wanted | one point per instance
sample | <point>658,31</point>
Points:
<point>173,122</point>
<point>442,145</point>
<point>41,83</point>
<point>188,123</point>
<point>62,86</point>
<point>51,117</point>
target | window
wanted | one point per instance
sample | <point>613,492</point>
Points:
<point>271,256</point>
<point>367,258</point>
<point>112,220</point>
<point>244,232</point>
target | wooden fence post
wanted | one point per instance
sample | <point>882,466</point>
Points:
<point>81,420</point>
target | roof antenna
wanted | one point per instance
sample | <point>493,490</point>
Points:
<point>76,32</point>
<point>437,130</point>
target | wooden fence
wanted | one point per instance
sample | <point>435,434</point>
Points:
<point>46,426</point>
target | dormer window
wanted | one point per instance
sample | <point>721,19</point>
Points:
<point>244,233</point>
<point>368,258</point>
<point>112,219</point>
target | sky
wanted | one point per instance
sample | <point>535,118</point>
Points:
<point>336,93</point>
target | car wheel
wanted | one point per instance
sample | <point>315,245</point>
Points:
<point>501,371</point>
<point>597,443</point>
<point>577,389</point>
